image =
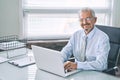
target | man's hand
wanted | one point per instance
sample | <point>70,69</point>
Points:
<point>70,65</point>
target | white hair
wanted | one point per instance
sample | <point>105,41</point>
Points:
<point>87,9</point>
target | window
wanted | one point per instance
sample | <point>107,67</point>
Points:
<point>58,19</point>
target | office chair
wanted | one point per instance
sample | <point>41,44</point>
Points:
<point>114,53</point>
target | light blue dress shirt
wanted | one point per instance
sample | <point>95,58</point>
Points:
<point>97,49</point>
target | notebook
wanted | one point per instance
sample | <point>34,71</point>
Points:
<point>50,61</point>
<point>22,62</point>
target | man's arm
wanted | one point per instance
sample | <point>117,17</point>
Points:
<point>67,50</point>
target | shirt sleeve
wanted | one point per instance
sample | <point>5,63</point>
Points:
<point>67,50</point>
<point>101,59</point>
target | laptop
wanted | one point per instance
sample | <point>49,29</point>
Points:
<point>50,60</point>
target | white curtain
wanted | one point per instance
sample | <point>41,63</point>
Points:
<point>116,13</point>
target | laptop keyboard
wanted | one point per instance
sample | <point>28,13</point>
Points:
<point>67,71</point>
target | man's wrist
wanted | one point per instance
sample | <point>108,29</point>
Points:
<point>75,65</point>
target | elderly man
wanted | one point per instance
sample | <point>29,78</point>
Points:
<point>90,46</point>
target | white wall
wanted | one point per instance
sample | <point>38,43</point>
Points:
<point>10,20</point>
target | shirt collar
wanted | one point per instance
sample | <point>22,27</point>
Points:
<point>89,35</point>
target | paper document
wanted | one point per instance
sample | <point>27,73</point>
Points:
<point>2,59</point>
<point>22,62</point>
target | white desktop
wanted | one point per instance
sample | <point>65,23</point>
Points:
<point>11,72</point>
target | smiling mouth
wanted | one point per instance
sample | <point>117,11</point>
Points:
<point>87,24</point>
<point>86,29</point>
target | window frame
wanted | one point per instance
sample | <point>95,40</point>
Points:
<point>31,10</point>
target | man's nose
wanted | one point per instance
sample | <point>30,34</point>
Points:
<point>84,21</point>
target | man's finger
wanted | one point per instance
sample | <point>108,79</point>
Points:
<point>67,65</point>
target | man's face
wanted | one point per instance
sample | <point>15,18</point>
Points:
<point>87,21</point>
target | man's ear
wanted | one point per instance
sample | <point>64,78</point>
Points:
<point>95,19</point>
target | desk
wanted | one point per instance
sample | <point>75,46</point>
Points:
<point>11,72</point>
